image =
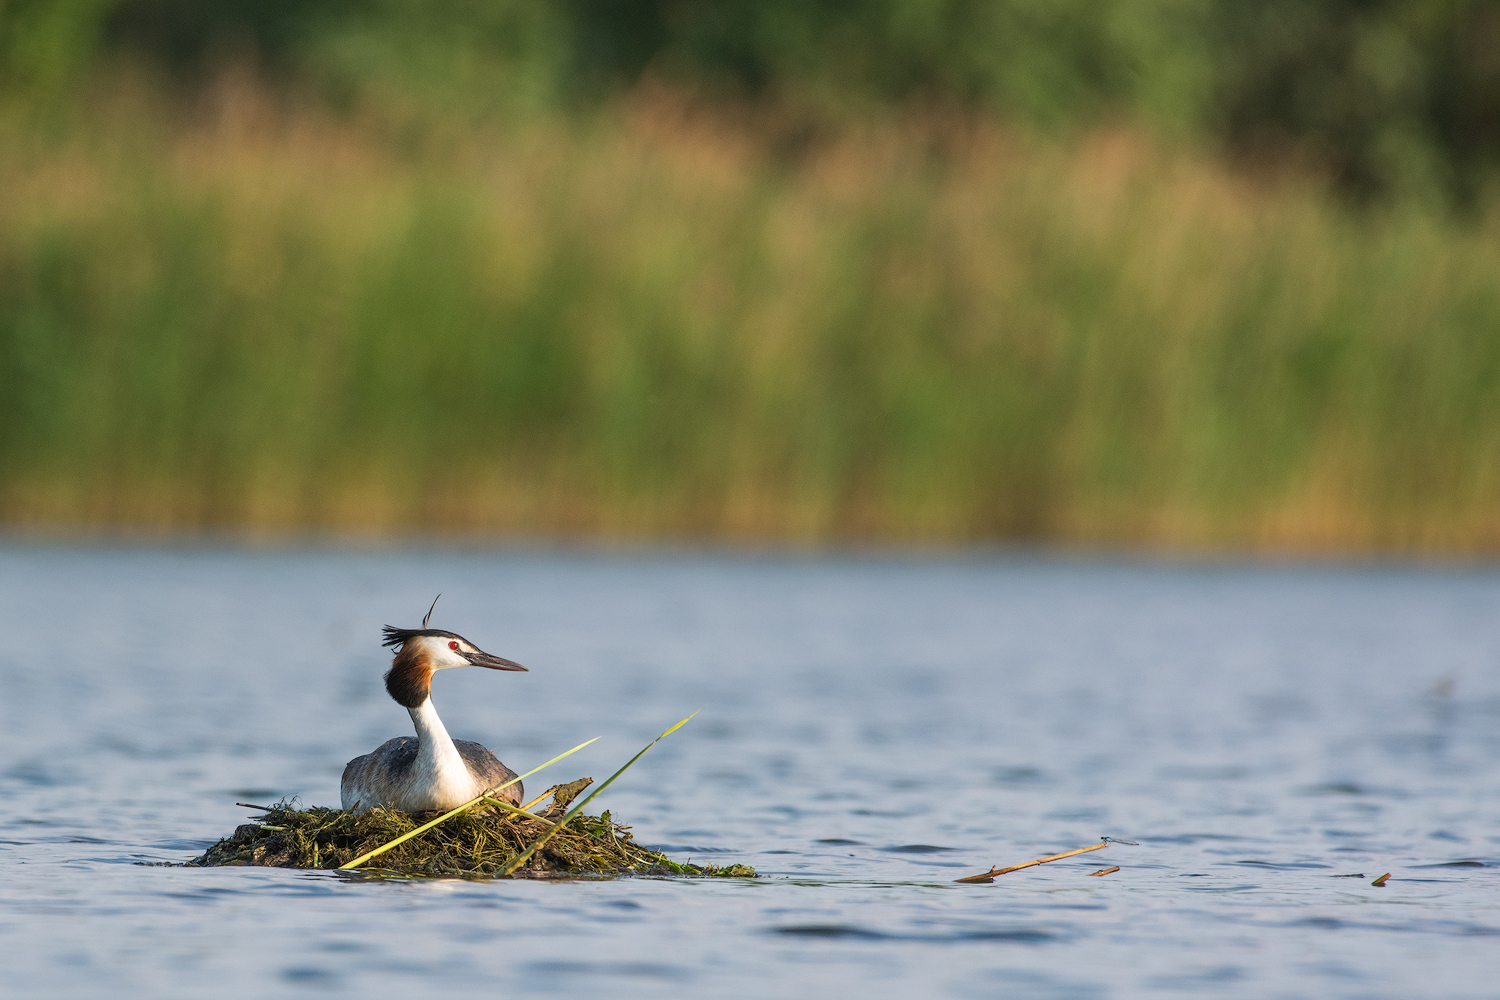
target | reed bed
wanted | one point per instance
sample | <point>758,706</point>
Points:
<point>670,319</point>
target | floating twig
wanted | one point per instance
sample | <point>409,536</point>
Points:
<point>454,812</point>
<point>520,859</point>
<point>1381,880</point>
<point>1106,871</point>
<point>989,876</point>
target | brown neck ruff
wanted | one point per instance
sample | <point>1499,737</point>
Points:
<point>409,680</point>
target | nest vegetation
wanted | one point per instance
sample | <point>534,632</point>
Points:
<point>478,842</point>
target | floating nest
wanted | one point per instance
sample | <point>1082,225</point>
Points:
<point>478,842</point>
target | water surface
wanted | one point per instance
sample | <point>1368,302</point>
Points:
<point>872,729</point>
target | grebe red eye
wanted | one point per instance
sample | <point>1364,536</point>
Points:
<point>452,644</point>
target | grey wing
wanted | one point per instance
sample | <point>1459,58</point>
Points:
<point>373,779</point>
<point>488,771</point>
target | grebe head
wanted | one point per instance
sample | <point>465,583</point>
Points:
<point>420,652</point>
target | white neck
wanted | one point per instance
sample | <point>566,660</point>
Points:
<point>437,757</point>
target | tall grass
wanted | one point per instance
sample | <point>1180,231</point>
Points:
<point>666,320</point>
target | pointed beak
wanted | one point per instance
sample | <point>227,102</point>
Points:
<point>493,662</point>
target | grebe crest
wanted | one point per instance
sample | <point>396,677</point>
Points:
<point>432,771</point>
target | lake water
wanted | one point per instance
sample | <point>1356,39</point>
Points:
<point>871,729</point>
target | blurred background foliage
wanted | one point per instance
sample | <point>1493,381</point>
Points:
<point>1158,272</point>
<point>1391,96</point>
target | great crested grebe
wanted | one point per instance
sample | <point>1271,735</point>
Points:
<point>433,771</point>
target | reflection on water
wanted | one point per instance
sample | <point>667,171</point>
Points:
<point>1274,738</point>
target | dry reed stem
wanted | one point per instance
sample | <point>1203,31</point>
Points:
<point>1106,871</point>
<point>989,876</point>
<point>538,798</point>
<point>521,811</point>
<point>1381,880</point>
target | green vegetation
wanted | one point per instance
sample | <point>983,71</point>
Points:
<point>477,843</point>
<point>1191,273</point>
<point>654,321</point>
<point>1389,96</point>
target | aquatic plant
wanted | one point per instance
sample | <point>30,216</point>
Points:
<point>481,841</point>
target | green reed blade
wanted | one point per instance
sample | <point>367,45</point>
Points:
<point>454,812</point>
<point>520,859</point>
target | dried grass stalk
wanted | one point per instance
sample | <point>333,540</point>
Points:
<point>989,876</point>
